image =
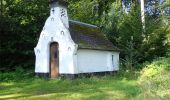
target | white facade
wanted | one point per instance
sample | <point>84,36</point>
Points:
<point>55,30</point>
<point>97,61</point>
<point>71,59</point>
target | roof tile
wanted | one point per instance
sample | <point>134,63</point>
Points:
<point>89,37</point>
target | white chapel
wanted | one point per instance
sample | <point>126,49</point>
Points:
<point>68,47</point>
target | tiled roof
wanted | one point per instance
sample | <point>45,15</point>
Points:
<point>89,36</point>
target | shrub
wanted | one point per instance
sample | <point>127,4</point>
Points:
<point>17,75</point>
<point>155,79</point>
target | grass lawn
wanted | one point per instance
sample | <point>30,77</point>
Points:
<point>95,88</point>
<point>152,83</point>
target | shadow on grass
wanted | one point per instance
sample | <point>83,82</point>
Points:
<point>86,88</point>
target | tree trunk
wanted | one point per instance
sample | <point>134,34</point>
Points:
<point>143,15</point>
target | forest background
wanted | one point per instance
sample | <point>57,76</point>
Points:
<point>143,40</point>
<point>21,22</point>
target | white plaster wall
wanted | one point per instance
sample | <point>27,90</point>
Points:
<point>53,31</point>
<point>114,62</point>
<point>96,61</point>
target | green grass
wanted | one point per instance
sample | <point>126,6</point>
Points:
<point>95,88</point>
<point>153,83</point>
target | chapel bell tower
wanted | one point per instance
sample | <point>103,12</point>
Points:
<point>58,8</point>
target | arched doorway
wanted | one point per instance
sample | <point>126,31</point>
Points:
<point>54,60</point>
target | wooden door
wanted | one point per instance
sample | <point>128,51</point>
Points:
<point>54,60</point>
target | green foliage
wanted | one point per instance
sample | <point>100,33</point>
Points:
<point>17,75</point>
<point>89,11</point>
<point>155,80</point>
<point>124,29</point>
<point>154,44</point>
<point>78,10</point>
<point>21,23</point>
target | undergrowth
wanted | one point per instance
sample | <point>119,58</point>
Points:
<point>155,80</point>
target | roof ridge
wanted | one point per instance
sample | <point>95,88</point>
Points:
<point>83,23</point>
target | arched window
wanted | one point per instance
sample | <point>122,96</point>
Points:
<point>52,19</point>
<point>52,39</point>
<point>62,32</point>
<point>69,48</point>
<point>38,51</point>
